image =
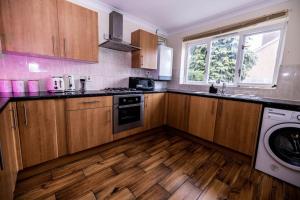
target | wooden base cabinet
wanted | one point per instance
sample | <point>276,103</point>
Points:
<point>178,111</point>
<point>10,161</point>
<point>41,126</point>
<point>155,110</point>
<point>237,125</point>
<point>89,122</point>
<point>202,117</point>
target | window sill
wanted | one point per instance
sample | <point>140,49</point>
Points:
<point>243,86</point>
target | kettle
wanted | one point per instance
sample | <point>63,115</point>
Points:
<point>69,83</point>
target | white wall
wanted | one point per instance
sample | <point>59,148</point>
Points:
<point>291,58</point>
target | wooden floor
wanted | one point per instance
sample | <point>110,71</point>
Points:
<point>158,166</point>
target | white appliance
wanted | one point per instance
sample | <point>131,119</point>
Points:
<point>164,62</point>
<point>69,83</point>
<point>278,152</point>
<point>56,84</point>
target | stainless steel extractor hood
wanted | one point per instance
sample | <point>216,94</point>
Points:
<point>115,40</point>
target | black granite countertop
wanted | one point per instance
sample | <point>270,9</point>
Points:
<point>268,102</point>
<point>7,97</point>
<point>3,103</point>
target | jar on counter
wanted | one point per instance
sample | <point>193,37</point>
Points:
<point>18,86</point>
<point>33,86</point>
<point>5,85</point>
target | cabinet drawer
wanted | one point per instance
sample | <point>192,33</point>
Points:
<point>88,102</point>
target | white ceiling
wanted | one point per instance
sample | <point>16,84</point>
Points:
<point>173,15</point>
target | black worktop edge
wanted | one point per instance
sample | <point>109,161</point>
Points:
<point>266,102</point>
<point>275,103</point>
<point>3,103</point>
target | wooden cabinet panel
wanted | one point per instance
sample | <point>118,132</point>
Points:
<point>155,110</point>
<point>9,156</point>
<point>30,26</point>
<point>39,131</point>
<point>237,125</point>
<point>78,32</point>
<point>88,102</point>
<point>88,128</point>
<point>178,107</point>
<point>147,56</point>
<point>202,117</point>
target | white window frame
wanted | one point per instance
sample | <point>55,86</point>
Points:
<point>242,34</point>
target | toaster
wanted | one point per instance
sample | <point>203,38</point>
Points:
<point>56,84</point>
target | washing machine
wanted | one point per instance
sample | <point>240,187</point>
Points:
<point>278,152</point>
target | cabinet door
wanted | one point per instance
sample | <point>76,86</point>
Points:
<point>202,117</point>
<point>8,153</point>
<point>89,128</point>
<point>38,128</point>
<point>147,56</point>
<point>178,107</point>
<point>78,32</point>
<point>157,110</point>
<point>30,26</point>
<point>237,125</point>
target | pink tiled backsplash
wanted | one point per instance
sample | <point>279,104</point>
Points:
<point>113,69</point>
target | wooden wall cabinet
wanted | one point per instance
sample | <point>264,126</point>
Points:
<point>146,57</point>
<point>42,130</point>
<point>78,32</point>
<point>202,117</point>
<point>237,125</point>
<point>89,122</point>
<point>50,28</point>
<point>10,161</point>
<point>178,111</point>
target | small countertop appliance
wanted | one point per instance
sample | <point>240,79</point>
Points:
<point>56,84</point>
<point>69,83</point>
<point>146,84</point>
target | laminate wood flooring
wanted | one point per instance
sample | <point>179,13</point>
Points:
<point>157,166</point>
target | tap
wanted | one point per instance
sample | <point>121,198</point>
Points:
<point>223,89</point>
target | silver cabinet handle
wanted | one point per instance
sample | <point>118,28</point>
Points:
<point>15,118</point>
<point>53,45</point>
<point>108,116</point>
<point>90,102</point>
<point>14,123</point>
<point>1,159</point>
<point>25,114</point>
<point>65,51</point>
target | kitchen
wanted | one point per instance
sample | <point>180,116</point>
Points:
<point>106,99</point>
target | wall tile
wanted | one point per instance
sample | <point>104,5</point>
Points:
<point>113,69</point>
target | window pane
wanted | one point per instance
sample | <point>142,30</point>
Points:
<point>196,62</point>
<point>260,55</point>
<point>223,59</point>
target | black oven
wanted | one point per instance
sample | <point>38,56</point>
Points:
<point>128,112</point>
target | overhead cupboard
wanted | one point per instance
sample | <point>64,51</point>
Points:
<point>50,28</point>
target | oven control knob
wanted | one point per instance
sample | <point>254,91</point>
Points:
<point>298,117</point>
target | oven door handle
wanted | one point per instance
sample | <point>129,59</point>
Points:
<point>131,105</point>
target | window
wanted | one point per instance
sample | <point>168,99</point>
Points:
<point>250,57</point>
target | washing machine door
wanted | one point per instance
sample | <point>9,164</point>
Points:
<point>282,142</point>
